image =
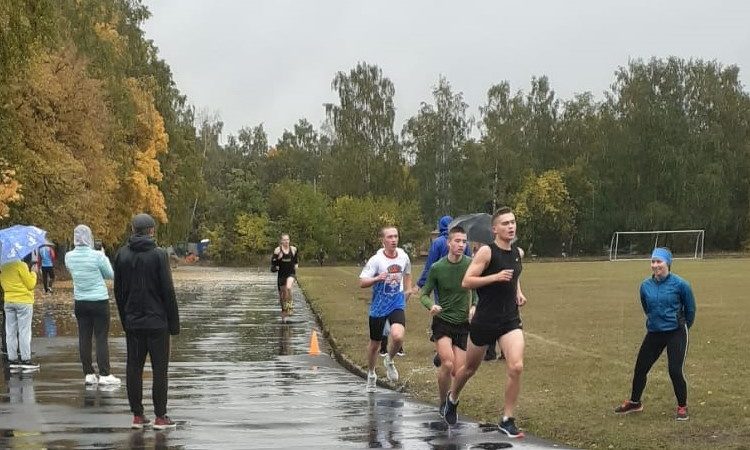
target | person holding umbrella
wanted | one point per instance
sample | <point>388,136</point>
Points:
<point>18,280</point>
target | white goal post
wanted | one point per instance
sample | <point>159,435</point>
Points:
<point>635,245</point>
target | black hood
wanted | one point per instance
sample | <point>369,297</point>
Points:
<point>141,243</point>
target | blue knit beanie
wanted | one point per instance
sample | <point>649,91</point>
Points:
<point>662,254</point>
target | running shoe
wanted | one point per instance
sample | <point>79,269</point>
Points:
<point>109,379</point>
<point>509,428</point>
<point>682,413</point>
<point>140,422</point>
<point>390,368</point>
<point>164,422</point>
<point>372,381</point>
<point>14,364</point>
<point>441,408</point>
<point>628,407</point>
<point>450,410</point>
<point>436,360</point>
<point>91,379</point>
<point>401,352</point>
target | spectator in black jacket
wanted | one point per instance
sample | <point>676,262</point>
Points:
<point>148,310</point>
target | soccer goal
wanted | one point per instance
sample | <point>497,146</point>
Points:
<point>633,245</point>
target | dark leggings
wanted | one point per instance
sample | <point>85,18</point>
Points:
<point>48,276</point>
<point>93,321</point>
<point>653,345</point>
<point>156,344</point>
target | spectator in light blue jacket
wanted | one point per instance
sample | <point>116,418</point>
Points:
<point>669,305</point>
<point>89,268</point>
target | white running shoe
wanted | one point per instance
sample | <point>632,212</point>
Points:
<point>109,379</point>
<point>390,368</point>
<point>372,381</point>
<point>91,379</point>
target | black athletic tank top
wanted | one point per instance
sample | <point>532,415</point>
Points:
<point>286,264</point>
<point>497,301</point>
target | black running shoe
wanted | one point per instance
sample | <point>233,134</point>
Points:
<point>436,360</point>
<point>491,354</point>
<point>401,352</point>
<point>441,408</point>
<point>509,428</point>
<point>450,410</point>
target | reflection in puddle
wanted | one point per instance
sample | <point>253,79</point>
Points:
<point>492,445</point>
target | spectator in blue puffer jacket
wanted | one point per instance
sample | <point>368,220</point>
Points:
<point>669,305</point>
<point>89,268</point>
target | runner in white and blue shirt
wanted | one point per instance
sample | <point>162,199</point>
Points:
<point>388,273</point>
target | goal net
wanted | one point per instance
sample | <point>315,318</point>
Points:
<point>632,245</point>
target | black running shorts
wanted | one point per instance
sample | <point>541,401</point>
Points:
<point>458,333</point>
<point>483,334</point>
<point>378,323</point>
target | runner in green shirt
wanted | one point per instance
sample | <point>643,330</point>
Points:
<point>450,319</point>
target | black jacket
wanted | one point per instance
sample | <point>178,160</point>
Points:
<point>143,287</point>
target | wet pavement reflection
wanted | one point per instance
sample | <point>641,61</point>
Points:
<point>238,379</point>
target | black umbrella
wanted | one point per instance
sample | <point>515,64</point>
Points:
<point>478,227</point>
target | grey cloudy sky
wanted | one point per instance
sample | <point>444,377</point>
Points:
<point>273,61</point>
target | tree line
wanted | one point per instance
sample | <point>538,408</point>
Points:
<point>93,129</point>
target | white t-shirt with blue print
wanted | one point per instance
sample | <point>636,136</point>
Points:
<point>388,295</point>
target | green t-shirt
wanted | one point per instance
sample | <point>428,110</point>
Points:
<point>445,277</point>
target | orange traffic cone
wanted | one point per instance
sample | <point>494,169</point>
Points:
<point>314,348</point>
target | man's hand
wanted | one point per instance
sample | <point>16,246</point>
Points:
<point>472,310</point>
<point>520,299</point>
<point>504,276</point>
<point>435,310</point>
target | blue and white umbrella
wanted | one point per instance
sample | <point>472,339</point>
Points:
<point>18,241</point>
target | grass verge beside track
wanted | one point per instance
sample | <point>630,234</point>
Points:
<point>583,326</point>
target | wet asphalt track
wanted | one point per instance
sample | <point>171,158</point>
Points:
<point>238,379</point>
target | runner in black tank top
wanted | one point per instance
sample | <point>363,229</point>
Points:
<point>497,301</point>
<point>494,273</point>
<point>284,261</point>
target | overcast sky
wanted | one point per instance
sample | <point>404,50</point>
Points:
<point>273,61</point>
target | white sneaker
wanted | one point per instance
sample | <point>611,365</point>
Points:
<point>91,379</point>
<point>390,368</point>
<point>372,381</point>
<point>109,379</point>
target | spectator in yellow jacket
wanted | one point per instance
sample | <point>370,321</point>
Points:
<point>18,281</point>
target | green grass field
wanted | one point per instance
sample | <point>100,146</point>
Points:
<point>583,326</point>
